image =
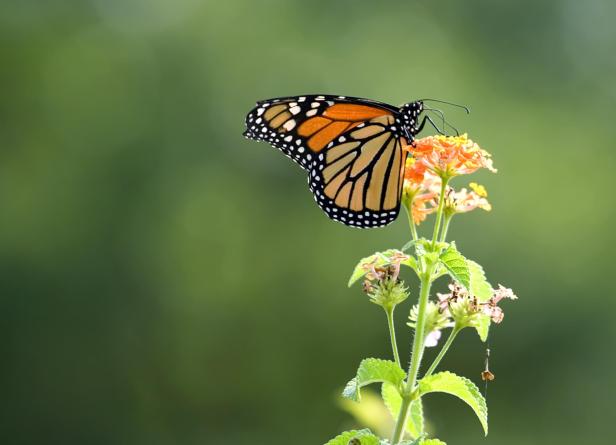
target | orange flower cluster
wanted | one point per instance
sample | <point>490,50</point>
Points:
<point>449,156</point>
<point>438,158</point>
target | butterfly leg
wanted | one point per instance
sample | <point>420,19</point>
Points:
<point>428,119</point>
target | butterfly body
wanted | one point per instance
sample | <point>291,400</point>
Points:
<point>352,149</point>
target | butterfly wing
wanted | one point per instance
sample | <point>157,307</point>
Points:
<point>351,148</point>
<point>357,179</point>
<point>301,126</point>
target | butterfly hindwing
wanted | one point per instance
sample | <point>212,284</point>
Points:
<point>357,179</point>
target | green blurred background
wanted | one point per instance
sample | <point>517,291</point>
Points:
<point>164,281</point>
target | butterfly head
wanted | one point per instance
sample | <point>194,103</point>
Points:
<point>410,117</point>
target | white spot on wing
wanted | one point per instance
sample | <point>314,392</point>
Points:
<point>289,125</point>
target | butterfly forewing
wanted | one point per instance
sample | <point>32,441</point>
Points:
<point>303,125</point>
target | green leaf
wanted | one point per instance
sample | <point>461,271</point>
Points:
<point>432,442</point>
<point>479,286</point>
<point>344,438</point>
<point>456,265</point>
<point>393,401</point>
<point>372,370</point>
<point>461,387</point>
<point>483,326</point>
<point>410,442</point>
<point>408,245</point>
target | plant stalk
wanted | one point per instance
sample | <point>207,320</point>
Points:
<point>444,349</point>
<point>445,228</point>
<point>420,327</point>
<point>417,353</point>
<point>392,333</point>
<point>439,211</point>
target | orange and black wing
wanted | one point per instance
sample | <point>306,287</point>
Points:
<point>351,147</point>
<point>358,178</point>
<point>302,126</point>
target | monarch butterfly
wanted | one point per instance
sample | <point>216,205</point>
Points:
<point>352,149</point>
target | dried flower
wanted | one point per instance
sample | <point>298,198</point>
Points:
<point>487,376</point>
<point>466,310</point>
<point>449,156</point>
<point>383,265</point>
<point>491,307</point>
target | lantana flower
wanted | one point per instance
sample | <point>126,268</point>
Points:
<point>464,200</point>
<point>449,156</point>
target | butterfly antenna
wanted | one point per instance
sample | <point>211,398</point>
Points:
<point>445,123</point>
<point>465,108</point>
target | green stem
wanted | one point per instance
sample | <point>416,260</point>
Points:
<point>392,333</point>
<point>445,227</point>
<point>412,225</point>
<point>401,422</point>
<point>444,350</point>
<point>417,353</point>
<point>413,228</point>
<point>439,212</point>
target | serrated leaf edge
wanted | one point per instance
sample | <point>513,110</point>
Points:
<point>470,387</point>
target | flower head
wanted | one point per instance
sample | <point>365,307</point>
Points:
<point>463,200</point>
<point>449,156</point>
<point>381,282</point>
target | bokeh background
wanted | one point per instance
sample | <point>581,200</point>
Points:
<point>164,281</point>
